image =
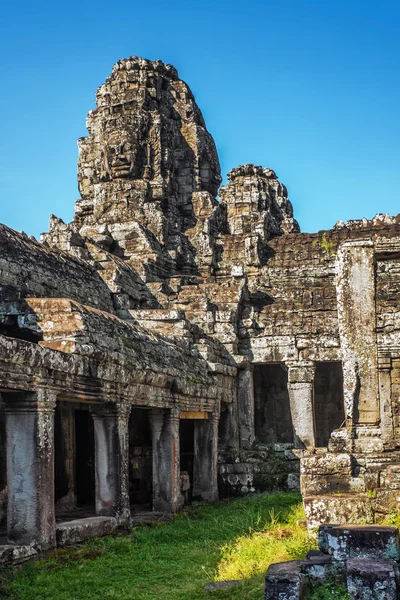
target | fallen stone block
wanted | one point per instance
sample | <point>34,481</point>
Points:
<point>372,579</point>
<point>359,541</point>
<point>215,586</point>
<point>285,581</point>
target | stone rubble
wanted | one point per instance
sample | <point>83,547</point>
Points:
<point>364,559</point>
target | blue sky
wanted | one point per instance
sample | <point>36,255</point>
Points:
<point>309,88</point>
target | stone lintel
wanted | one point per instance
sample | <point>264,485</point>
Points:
<point>190,414</point>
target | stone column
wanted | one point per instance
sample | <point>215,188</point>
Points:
<point>111,448</point>
<point>165,456</point>
<point>67,444</point>
<point>245,399</point>
<point>205,467</point>
<point>355,270</point>
<point>228,438</point>
<point>387,425</point>
<point>30,468</point>
<point>301,394</point>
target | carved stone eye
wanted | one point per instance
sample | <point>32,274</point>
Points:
<point>127,147</point>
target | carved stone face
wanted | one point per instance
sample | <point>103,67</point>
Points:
<point>120,158</point>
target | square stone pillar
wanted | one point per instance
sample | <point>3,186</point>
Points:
<point>111,457</point>
<point>245,401</point>
<point>67,454</point>
<point>228,437</point>
<point>165,456</point>
<point>301,394</point>
<point>30,468</point>
<point>355,274</point>
<point>205,467</point>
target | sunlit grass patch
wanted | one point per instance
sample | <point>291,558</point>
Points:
<point>279,539</point>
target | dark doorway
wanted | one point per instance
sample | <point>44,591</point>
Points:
<point>186,456</point>
<point>84,442</point>
<point>272,416</point>
<point>140,458</point>
<point>61,479</point>
<point>328,400</point>
<point>225,433</point>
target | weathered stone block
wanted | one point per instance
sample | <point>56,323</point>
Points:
<point>372,579</point>
<point>361,541</point>
<point>216,586</point>
<point>342,509</point>
<point>321,568</point>
<point>285,581</point>
<point>80,530</point>
<point>16,554</point>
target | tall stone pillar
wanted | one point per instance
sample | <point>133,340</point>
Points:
<point>165,453</point>
<point>301,394</point>
<point>66,456</point>
<point>245,400</point>
<point>111,460</point>
<point>228,438</point>
<point>387,425</point>
<point>205,467</point>
<point>30,468</point>
<point>355,271</point>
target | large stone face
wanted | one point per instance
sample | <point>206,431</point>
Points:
<point>147,152</point>
<point>257,203</point>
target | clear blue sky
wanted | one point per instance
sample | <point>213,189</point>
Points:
<point>309,88</point>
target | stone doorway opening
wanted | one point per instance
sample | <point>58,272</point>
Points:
<point>84,440</point>
<point>328,400</point>
<point>74,481</point>
<point>272,414</point>
<point>186,457</point>
<point>140,460</point>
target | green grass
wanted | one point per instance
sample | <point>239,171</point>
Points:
<point>172,561</point>
<point>330,591</point>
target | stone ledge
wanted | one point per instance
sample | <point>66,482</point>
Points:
<point>80,530</point>
<point>16,554</point>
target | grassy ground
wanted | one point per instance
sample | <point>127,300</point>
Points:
<point>172,561</point>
